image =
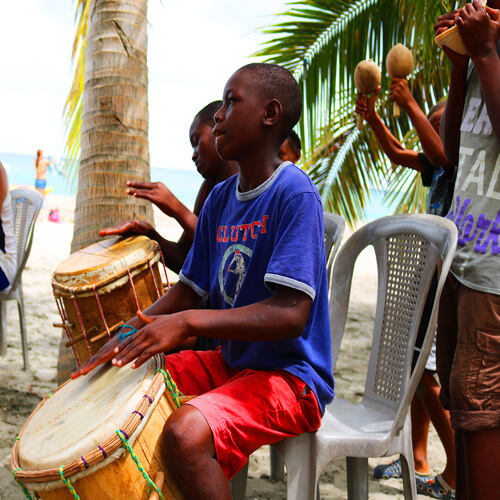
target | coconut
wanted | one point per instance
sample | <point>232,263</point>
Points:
<point>399,61</point>
<point>367,76</point>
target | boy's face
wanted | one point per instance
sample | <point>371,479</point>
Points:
<point>205,156</point>
<point>288,152</point>
<point>238,123</point>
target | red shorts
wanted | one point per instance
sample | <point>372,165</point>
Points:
<point>244,409</point>
<point>468,356</point>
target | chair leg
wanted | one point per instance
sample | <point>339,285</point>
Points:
<point>300,466</point>
<point>239,484</point>
<point>3,328</point>
<point>408,469</point>
<point>22,324</point>
<point>357,478</point>
<point>277,465</point>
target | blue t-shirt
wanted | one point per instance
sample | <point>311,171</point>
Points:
<point>247,242</point>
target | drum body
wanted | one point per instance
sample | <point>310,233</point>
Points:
<point>102,286</point>
<point>76,428</point>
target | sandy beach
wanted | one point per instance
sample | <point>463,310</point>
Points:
<point>21,391</point>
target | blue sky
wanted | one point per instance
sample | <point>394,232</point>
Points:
<point>193,49</point>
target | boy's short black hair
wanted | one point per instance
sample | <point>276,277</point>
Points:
<point>436,108</point>
<point>295,140</point>
<point>206,115</point>
<point>277,82</point>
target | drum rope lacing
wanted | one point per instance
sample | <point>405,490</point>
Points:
<point>172,387</point>
<point>81,324</point>
<point>67,482</point>
<point>25,491</point>
<point>101,311</point>
<point>124,438</point>
<point>65,320</point>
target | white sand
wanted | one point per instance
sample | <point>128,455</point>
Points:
<point>20,391</point>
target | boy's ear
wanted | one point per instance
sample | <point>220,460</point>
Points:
<point>273,112</point>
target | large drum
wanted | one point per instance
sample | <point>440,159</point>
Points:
<point>94,434</point>
<point>100,287</point>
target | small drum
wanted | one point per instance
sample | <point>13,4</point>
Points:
<point>100,287</point>
<point>94,434</point>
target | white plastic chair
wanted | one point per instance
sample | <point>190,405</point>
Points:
<point>407,248</point>
<point>26,204</point>
<point>334,230</point>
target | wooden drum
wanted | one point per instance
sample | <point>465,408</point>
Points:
<point>102,286</point>
<point>92,436</point>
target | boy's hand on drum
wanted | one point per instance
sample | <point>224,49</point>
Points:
<point>160,334</point>
<point>128,227</point>
<point>105,354</point>
<point>157,193</point>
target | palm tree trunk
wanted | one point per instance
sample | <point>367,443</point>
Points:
<point>114,134</point>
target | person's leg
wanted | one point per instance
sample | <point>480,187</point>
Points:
<point>460,468</point>
<point>428,392</point>
<point>191,456</point>
<point>475,394</point>
<point>420,422</point>
<point>482,462</point>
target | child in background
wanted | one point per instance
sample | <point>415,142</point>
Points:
<point>438,173</point>
<point>269,299</point>
<point>290,150</point>
<point>209,165</point>
<point>468,337</point>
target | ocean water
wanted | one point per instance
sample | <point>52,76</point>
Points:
<point>21,171</point>
<point>183,183</point>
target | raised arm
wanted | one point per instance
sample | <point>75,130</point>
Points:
<point>159,194</point>
<point>452,116</point>
<point>389,144</point>
<point>428,136</point>
<point>480,31</point>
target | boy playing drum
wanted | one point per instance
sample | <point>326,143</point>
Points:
<point>272,376</point>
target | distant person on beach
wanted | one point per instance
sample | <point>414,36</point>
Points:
<point>468,336</point>
<point>41,165</point>
<point>212,168</point>
<point>439,175</point>
<point>272,376</point>
<point>8,253</point>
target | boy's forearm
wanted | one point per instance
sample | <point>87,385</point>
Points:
<point>392,147</point>
<point>186,219</point>
<point>488,69</point>
<point>428,137</point>
<point>280,317</point>
<point>452,116</point>
<point>173,253</point>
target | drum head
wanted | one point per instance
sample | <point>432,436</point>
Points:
<point>83,414</point>
<point>103,262</point>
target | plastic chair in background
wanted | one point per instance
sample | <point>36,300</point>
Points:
<point>26,204</point>
<point>334,230</point>
<point>408,249</point>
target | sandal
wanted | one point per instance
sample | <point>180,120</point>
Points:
<point>436,487</point>
<point>388,471</point>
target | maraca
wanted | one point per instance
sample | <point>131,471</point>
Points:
<point>399,64</point>
<point>367,77</point>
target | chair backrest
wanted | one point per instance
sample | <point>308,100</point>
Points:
<point>408,249</point>
<point>26,204</point>
<point>334,230</point>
